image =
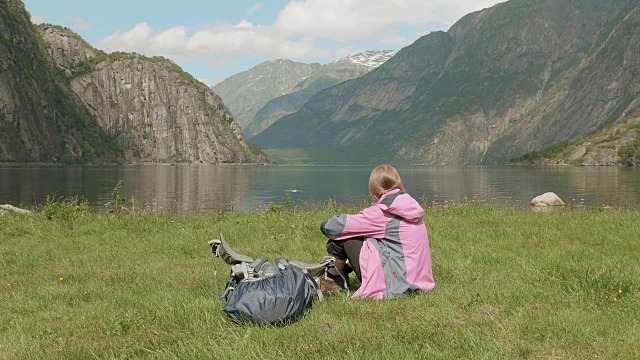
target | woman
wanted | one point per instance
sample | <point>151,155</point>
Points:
<point>386,244</point>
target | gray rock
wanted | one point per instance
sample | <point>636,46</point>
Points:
<point>547,199</point>
<point>66,49</point>
<point>7,208</point>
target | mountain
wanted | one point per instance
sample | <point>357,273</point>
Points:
<point>40,118</point>
<point>324,77</point>
<point>513,78</point>
<point>61,100</point>
<point>247,92</point>
<point>154,110</point>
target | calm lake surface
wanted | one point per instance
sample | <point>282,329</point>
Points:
<point>202,188</point>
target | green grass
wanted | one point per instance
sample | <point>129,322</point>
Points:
<point>511,284</point>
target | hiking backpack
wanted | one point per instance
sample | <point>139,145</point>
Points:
<point>265,292</point>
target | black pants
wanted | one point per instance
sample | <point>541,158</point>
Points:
<point>347,250</point>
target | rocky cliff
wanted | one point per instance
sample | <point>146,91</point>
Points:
<point>40,119</point>
<point>513,78</point>
<point>603,90</point>
<point>617,144</point>
<point>68,51</point>
<point>324,77</point>
<point>154,110</point>
<point>247,92</point>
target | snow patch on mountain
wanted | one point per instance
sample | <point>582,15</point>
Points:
<point>371,58</point>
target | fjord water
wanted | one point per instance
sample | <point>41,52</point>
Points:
<point>202,188</point>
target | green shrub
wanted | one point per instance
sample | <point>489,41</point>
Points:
<point>117,200</point>
<point>630,153</point>
<point>65,210</point>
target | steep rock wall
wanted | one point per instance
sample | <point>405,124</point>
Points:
<point>155,111</point>
<point>67,49</point>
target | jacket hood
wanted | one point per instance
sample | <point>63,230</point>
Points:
<point>401,204</point>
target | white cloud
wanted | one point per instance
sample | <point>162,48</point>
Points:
<point>76,23</point>
<point>255,8</point>
<point>295,31</point>
<point>374,20</point>
<point>242,39</point>
<point>220,64</point>
<point>38,19</point>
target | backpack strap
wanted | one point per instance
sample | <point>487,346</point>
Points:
<point>316,271</point>
<point>221,249</point>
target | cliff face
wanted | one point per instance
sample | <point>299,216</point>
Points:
<point>603,90</point>
<point>247,92</point>
<point>40,119</point>
<point>502,81</point>
<point>155,111</point>
<point>68,51</point>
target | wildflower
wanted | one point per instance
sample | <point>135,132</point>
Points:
<point>615,299</point>
<point>619,291</point>
<point>8,284</point>
<point>61,279</point>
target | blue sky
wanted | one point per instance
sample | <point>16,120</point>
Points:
<point>213,40</point>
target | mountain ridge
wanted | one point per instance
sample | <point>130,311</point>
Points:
<point>324,77</point>
<point>467,95</point>
<point>247,92</point>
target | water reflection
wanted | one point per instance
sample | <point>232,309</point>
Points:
<point>176,189</point>
<point>189,189</point>
<point>594,186</point>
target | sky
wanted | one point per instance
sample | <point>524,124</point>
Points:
<point>215,39</point>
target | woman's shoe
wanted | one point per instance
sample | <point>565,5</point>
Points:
<point>330,285</point>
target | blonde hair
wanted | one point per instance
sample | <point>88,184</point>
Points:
<point>384,178</point>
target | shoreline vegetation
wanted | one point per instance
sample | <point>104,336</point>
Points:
<point>542,162</point>
<point>13,163</point>
<point>511,284</point>
<point>615,145</point>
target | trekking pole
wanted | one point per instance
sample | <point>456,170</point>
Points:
<point>215,254</point>
<point>215,276</point>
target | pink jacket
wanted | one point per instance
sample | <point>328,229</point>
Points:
<point>395,258</point>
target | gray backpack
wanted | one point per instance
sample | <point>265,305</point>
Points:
<point>268,292</point>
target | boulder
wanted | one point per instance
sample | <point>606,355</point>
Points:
<point>547,199</point>
<point>7,208</point>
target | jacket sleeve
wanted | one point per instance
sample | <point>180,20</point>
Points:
<point>369,223</point>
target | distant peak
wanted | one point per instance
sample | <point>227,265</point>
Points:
<point>371,58</point>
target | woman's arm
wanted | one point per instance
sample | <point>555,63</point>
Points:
<point>369,223</point>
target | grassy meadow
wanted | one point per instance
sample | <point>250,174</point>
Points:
<point>511,284</point>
